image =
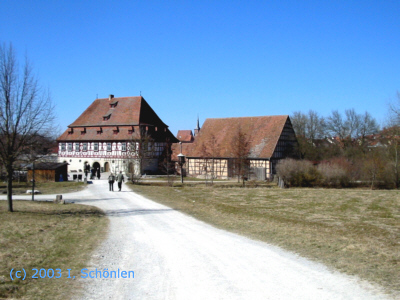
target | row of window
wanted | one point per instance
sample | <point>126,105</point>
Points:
<point>77,147</point>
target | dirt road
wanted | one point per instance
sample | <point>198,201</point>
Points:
<point>174,256</point>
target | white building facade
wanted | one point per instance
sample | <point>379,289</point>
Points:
<point>116,134</point>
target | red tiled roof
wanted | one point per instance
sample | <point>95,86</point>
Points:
<point>129,111</point>
<point>128,114</point>
<point>176,149</point>
<point>262,132</point>
<point>185,136</point>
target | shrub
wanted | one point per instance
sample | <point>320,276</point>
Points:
<point>333,175</point>
<point>298,173</point>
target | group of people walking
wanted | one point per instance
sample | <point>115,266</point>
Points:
<point>119,178</point>
<point>94,173</point>
<point>111,179</point>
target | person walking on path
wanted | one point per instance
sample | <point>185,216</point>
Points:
<point>120,179</point>
<point>98,173</point>
<point>111,180</point>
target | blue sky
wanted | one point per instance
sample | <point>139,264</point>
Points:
<point>211,58</point>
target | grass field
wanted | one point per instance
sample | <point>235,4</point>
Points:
<point>49,236</point>
<point>44,187</point>
<point>351,230</point>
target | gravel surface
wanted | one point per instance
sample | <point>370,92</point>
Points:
<point>175,256</point>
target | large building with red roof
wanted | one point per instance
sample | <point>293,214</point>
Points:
<point>214,149</point>
<point>111,134</point>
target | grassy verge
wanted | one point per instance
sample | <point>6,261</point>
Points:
<point>45,187</point>
<point>352,230</point>
<point>46,235</point>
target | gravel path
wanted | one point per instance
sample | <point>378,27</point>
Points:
<point>175,256</point>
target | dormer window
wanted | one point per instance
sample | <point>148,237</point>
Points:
<point>99,130</point>
<point>116,130</point>
<point>132,130</point>
<point>71,131</point>
<point>106,117</point>
<point>83,131</point>
<point>113,104</point>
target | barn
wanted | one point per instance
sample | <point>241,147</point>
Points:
<point>260,142</point>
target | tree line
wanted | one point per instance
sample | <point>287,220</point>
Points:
<point>344,150</point>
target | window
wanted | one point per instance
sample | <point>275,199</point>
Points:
<point>84,146</point>
<point>106,117</point>
<point>108,146</point>
<point>123,146</point>
<point>96,146</point>
<point>69,147</point>
<point>62,146</point>
<point>77,147</point>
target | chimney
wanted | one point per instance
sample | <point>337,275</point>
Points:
<point>110,97</point>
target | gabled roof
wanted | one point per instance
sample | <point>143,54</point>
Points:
<point>127,111</point>
<point>263,134</point>
<point>185,136</point>
<point>117,119</point>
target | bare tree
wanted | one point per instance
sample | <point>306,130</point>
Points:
<point>308,128</point>
<point>166,165</point>
<point>368,125</point>
<point>211,151</point>
<point>336,125</point>
<point>394,111</point>
<point>352,123</point>
<point>299,123</point>
<point>26,111</point>
<point>141,151</point>
<point>315,127</point>
<point>391,137</point>
<point>352,126</point>
<point>241,151</point>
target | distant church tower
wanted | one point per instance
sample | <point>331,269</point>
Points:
<point>197,130</point>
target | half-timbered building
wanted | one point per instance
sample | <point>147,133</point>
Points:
<point>116,134</point>
<point>216,147</point>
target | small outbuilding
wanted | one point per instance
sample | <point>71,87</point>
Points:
<point>48,171</point>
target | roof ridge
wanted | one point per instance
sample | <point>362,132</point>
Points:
<point>247,117</point>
